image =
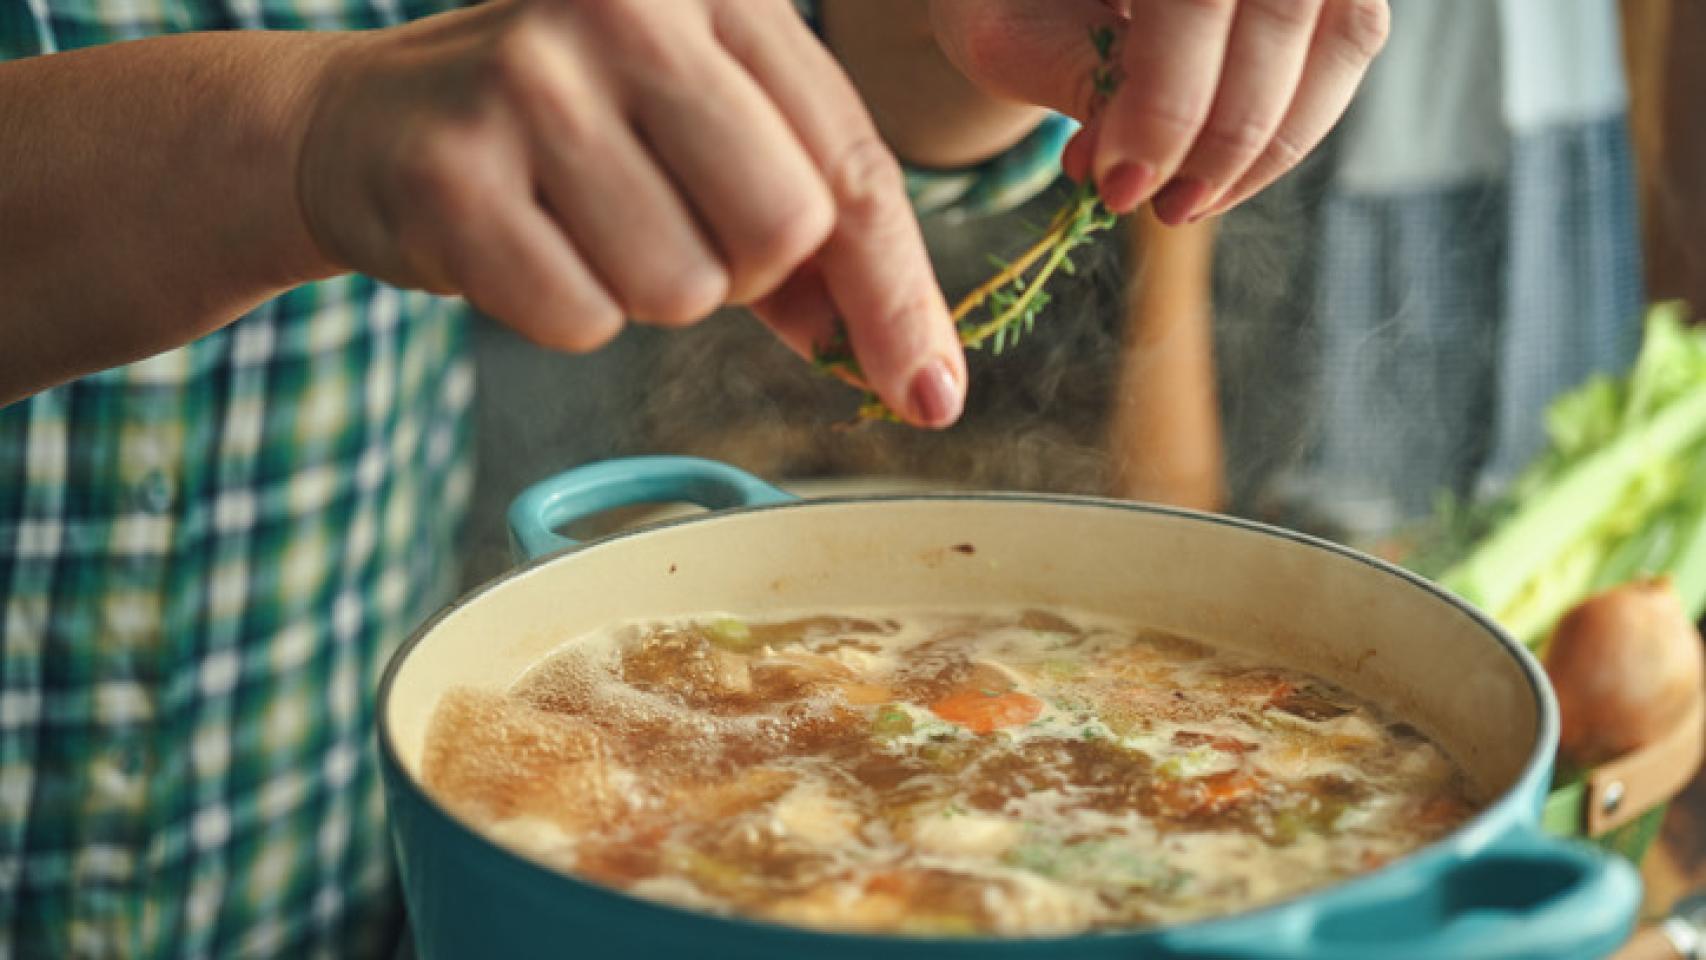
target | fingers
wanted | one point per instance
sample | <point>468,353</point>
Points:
<point>614,203</point>
<point>736,159</point>
<point>1220,97</point>
<point>1080,152</point>
<point>1348,35</point>
<point>510,259</point>
<point>873,266</point>
<point>800,311</point>
<point>1264,60</point>
<point>520,269</point>
<point>1171,61</point>
<point>460,225</point>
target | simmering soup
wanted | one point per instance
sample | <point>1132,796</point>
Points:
<point>947,773</point>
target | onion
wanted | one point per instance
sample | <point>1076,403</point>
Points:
<point>1625,664</point>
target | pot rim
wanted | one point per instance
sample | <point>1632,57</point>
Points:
<point>1480,831</point>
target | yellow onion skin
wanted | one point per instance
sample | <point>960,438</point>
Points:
<point>1625,664</point>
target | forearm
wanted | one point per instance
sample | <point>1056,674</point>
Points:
<point>928,111</point>
<point>147,196</point>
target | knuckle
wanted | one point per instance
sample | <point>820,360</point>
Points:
<point>650,39</point>
<point>1363,25</point>
<point>520,74</point>
<point>438,172</point>
<point>1284,152</point>
<point>1170,117</point>
<point>1219,8</point>
<point>866,182</point>
<point>890,322</point>
<point>1242,136</point>
<point>1294,15</point>
<point>774,249</point>
<point>512,65</point>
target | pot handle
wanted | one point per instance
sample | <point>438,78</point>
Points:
<point>631,481</point>
<point>1528,896</point>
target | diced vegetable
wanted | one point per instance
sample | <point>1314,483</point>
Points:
<point>732,634</point>
<point>986,711</point>
<point>1206,796</point>
<point>891,721</point>
<point>1194,762</point>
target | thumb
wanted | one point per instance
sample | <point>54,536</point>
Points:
<point>1032,51</point>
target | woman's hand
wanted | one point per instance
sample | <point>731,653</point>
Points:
<point>568,164</point>
<point>1216,98</point>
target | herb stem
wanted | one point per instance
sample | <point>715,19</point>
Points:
<point>1013,270</point>
<point>1052,244</point>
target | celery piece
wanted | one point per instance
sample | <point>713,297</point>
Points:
<point>1569,508</point>
<point>891,721</point>
<point>733,635</point>
<point>1687,567</point>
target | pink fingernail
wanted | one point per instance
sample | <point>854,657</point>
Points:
<point>1126,186</point>
<point>935,395</point>
<point>1178,200</point>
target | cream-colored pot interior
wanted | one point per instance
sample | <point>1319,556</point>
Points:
<point>1360,624</point>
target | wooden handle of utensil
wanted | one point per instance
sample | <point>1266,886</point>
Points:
<point>1648,944</point>
<point>1164,432</point>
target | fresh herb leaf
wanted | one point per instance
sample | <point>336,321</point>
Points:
<point>1014,297</point>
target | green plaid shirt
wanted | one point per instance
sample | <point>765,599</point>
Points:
<point>205,559</point>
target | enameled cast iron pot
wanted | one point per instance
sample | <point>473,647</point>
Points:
<point>1497,887</point>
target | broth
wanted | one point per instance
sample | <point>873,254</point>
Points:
<point>939,773</point>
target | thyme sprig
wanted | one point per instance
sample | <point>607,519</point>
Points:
<point>1011,300</point>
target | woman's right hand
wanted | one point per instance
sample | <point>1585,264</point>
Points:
<point>567,164</point>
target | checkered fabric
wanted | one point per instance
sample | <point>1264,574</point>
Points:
<point>205,559</point>
<point>1450,318</point>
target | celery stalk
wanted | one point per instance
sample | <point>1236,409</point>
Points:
<point>1568,509</point>
<point>1688,566</point>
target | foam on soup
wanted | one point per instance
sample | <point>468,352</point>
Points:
<point>944,773</point>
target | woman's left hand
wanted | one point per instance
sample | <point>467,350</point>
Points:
<point>1215,98</point>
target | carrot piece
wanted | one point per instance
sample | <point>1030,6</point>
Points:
<point>1222,790</point>
<point>1206,796</point>
<point>983,711</point>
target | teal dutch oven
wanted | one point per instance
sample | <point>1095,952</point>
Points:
<point>1497,887</point>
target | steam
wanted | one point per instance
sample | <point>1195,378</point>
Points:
<point>1035,417</point>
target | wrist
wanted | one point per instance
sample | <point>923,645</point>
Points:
<point>316,72</point>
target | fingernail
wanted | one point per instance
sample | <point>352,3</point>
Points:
<point>935,395</point>
<point>1126,186</point>
<point>1214,209</point>
<point>1178,200</point>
